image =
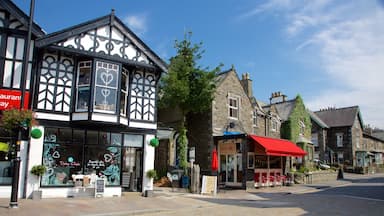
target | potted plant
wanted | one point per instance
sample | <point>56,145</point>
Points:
<point>37,170</point>
<point>151,174</point>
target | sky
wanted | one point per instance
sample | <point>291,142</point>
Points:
<point>331,52</point>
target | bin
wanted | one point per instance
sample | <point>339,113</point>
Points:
<point>185,181</point>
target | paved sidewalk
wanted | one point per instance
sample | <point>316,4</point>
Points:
<point>165,200</point>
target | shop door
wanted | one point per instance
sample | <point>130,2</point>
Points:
<point>231,170</point>
<point>132,169</point>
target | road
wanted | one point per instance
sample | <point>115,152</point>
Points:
<point>355,195</point>
<point>359,195</point>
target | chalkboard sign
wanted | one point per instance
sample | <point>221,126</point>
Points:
<point>99,187</point>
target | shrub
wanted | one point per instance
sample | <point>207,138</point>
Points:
<point>38,170</point>
<point>152,174</point>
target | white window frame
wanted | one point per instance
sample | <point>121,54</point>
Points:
<point>254,118</point>
<point>302,128</point>
<point>339,139</point>
<point>124,93</point>
<point>84,86</point>
<point>235,108</point>
<point>274,124</point>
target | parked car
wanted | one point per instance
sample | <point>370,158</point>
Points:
<point>320,164</point>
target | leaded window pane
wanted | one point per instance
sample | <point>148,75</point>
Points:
<point>106,87</point>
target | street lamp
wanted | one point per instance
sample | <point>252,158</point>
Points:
<point>16,161</point>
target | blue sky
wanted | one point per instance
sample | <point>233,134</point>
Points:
<point>331,52</point>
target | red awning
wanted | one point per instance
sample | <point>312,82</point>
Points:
<point>277,147</point>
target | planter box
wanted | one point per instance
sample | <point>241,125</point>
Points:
<point>37,194</point>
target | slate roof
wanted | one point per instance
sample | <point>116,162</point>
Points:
<point>316,119</point>
<point>340,117</point>
<point>284,109</point>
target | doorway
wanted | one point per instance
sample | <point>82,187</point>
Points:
<point>132,169</point>
<point>231,169</point>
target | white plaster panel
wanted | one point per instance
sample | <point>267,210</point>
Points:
<point>79,116</point>
<point>104,117</point>
<point>142,125</point>
<point>149,158</point>
<point>50,116</point>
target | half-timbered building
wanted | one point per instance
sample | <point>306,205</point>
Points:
<point>94,96</point>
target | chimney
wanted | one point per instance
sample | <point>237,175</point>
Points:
<point>277,97</point>
<point>246,82</point>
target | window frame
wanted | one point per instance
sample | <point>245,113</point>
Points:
<point>339,139</point>
<point>236,109</point>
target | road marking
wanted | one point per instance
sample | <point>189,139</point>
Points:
<point>363,198</point>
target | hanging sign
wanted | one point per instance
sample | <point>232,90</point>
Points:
<point>10,99</point>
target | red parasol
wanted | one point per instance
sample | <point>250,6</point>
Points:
<point>215,164</point>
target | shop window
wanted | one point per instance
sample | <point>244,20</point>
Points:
<point>5,162</point>
<point>104,161</point>
<point>61,159</point>
<point>131,140</point>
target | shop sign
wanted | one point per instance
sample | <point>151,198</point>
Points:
<point>227,148</point>
<point>10,99</point>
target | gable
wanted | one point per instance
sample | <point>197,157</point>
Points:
<point>106,36</point>
<point>13,18</point>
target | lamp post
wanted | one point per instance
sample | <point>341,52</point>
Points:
<point>16,161</point>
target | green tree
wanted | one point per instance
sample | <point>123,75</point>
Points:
<point>187,86</point>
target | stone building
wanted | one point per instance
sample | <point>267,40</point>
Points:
<point>295,126</point>
<point>345,135</point>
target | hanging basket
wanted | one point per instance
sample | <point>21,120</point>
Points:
<point>154,142</point>
<point>36,133</point>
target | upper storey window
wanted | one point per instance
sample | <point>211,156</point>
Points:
<point>106,83</point>
<point>233,105</point>
<point>105,88</point>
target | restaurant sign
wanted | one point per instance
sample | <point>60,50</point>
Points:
<point>10,99</point>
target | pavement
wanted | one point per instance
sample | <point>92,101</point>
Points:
<point>165,201</point>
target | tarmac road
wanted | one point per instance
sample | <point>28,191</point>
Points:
<point>355,195</point>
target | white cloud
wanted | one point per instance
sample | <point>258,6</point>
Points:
<point>347,37</point>
<point>137,23</point>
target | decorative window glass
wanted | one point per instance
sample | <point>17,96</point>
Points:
<point>314,139</point>
<point>62,159</point>
<point>254,117</point>
<point>339,139</point>
<point>106,83</point>
<point>251,160</point>
<point>65,153</point>
<point>104,160</point>
<point>124,91</point>
<point>233,105</point>
<point>55,84</point>
<point>143,96</point>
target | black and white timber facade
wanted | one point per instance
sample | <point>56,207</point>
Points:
<point>93,91</point>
